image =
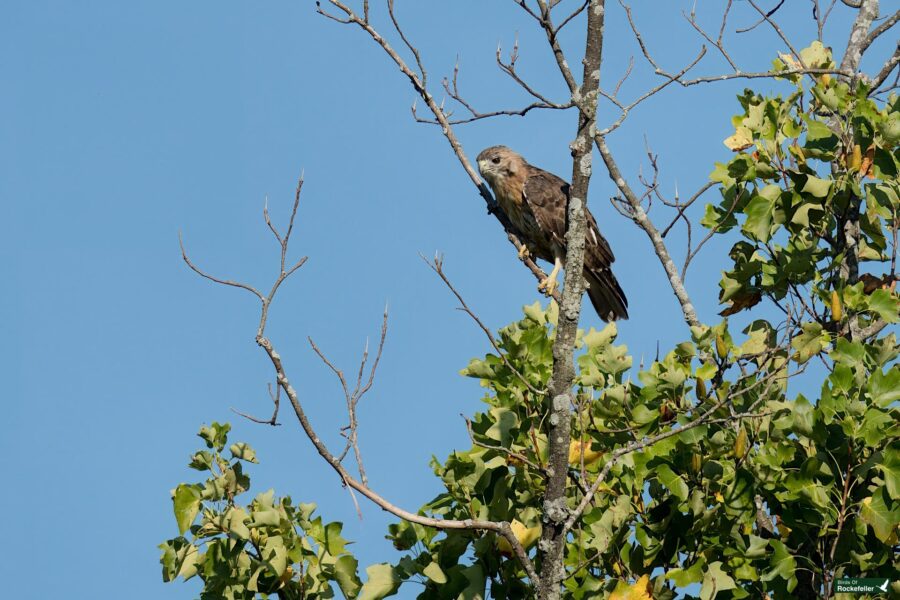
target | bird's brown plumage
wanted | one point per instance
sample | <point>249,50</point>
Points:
<point>536,204</point>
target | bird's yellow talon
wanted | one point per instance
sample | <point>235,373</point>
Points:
<point>548,285</point>
<point>524,253</point>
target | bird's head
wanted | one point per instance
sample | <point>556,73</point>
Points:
<point>498,162</point>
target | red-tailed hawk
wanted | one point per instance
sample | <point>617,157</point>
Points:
<point>536,203</point>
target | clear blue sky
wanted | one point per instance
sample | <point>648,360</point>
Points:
<point>127,122</point>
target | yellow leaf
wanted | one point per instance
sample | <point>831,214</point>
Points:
<point>789,61</point>
<point>837,311</point>
<point>640,590</point>
<point>527,536</point>
<point>577,448</point>
<point>720,497</point>
<point>854,160</point>
<point>701,390</point>
<point>696,463</point>
<point>740,443</point>
<point>721,347</point>
<point>741,140</point>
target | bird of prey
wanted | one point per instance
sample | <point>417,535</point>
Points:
<point>536,204</point>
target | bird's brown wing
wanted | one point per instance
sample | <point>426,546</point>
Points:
<point>547,196</point>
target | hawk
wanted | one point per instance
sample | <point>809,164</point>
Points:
<point>536,203</point>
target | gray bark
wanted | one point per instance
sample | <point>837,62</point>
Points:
<point>553,540</point>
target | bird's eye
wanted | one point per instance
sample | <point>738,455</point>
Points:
<point>496,160</point>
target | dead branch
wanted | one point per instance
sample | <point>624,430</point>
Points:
<point>437,265</point>
<point>886,70</point>
<point>500,528</point>
<point>352,397</point>
<point>276,401</point>
<point>510,69</point>
<point>767,17</point>
<point>683,207</point>
<point>451,87</point>
<point>718,43</point>
<point>762,20</point>
<point>639,216</point>
<point>650,93</point>
<point>446,128</point>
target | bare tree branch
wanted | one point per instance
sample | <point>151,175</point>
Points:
<point>500,528</point>
<point>276,400</point>
<point>639,216</point>
<point>683,207</point>
<point>352,398</point>
<point>446,129</point>
<point>451,87</point>
<point>718,43</point>
<point>859,35</point>
<point>669,79</point>
<point>886,70</point>
<point>438,267</point>
<point>213,278</point>
<point>768,18</point>
<point>761,21</point>
<point>880,30</point>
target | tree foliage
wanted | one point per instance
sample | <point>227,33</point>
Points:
<point>268,546</point>
<point>704,472</point>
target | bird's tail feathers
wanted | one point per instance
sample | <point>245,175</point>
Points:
<point>606,295</point>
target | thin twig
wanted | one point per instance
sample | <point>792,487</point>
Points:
<point>762,20</point>
<point>446,129</point>
<point>276,401</point>
<point>437,265</point>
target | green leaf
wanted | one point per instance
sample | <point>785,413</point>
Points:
<point>875,513</point>
<point>236,523</point>
<point>345,573</point>
<point>474,589</point>
<point>381,581</point>
<point>885,304</point>
<point>535,312</point>
<point>597,339</point>
<point>782,564</point>
<point>803,416</point>
<point>715,580</point>
<point>202,461</point>
<point>759,218</point>
<point>274,554</point>
<point>179,557</point>
<point>186,502</point>
<point>242,451</point>
<point>890,470</point>
<point>672,481</point>
<point>821,141</point>
<point>816,56</point>
<point>434,573</point>
<point>809,343</point>
<point>685,577</point>
<point>816,187</point>
<point>504,421</point>
<point>216,435</point>
<point>884,388</point>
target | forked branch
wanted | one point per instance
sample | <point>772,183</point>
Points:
<point>363,385</point>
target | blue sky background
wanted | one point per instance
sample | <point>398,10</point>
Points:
<point>125,123</point>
